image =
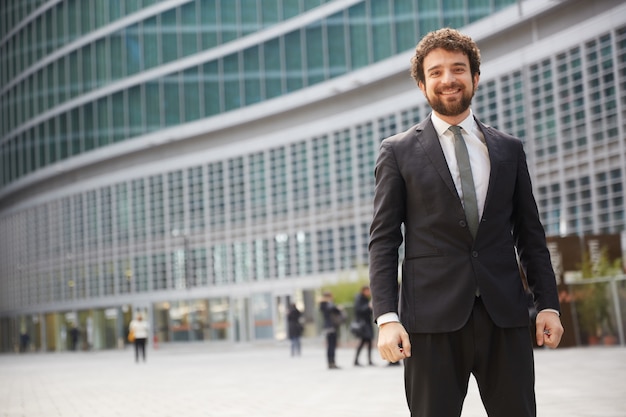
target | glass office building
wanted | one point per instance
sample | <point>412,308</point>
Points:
<point>209,161</point>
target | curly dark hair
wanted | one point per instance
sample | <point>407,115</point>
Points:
<point>450,40</point>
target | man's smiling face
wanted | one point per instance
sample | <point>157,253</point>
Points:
<point>449,85</point>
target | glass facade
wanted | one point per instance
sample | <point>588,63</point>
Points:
<point>154,211</point>
<point>176,241</point>
<point>577,96</point>
<point>79,75</point>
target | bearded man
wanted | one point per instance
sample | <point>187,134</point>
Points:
<point>463,195</point>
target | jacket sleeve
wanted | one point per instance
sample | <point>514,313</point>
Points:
<point>530,241</point>
<point>386,231</point>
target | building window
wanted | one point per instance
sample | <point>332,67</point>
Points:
<point>300,178</point>
<point>237,191</point>
<point>217,197</point>
<point>282,257</point>
<point>325,250</point>
<point>261,266</point>
<point>258,188</point>
<point>220,264</point>
<point>278,182</point>
<point>344,167</point>
<point>321,173</point>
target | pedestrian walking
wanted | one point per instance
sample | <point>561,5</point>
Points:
<point>140,330</point>
<point>333,317</point>
<point>24,341</point>
<point>363,324</point>
<point>74,334</point>
<point>294,329</point>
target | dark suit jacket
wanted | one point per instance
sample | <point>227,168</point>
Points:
<point>443,264</point>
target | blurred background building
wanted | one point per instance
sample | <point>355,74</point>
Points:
<point>209,161</point>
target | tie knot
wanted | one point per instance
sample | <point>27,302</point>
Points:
<point>456,130</point>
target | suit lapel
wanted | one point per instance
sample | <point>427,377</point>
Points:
<point>495,156</point>
<point>428,139</point>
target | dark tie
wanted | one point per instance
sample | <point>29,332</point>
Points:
<point>467,181</point>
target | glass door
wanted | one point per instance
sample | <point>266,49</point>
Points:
<point>161,322</point>
<point>219,319</point>
<point>241,322</point>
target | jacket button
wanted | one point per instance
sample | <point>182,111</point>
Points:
<point>474,254</point>
<point>462,223</point>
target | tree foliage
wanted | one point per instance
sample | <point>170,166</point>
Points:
<point>345,289</point>
<point>593,301</point>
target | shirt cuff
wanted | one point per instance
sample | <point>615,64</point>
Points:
<point>387,318</point>
<point>552,310</point>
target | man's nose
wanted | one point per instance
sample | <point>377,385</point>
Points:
<point>448,77</point>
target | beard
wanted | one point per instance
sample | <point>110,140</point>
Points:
<point>451,108</point>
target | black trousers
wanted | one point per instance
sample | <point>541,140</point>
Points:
<point>331,346</point>
<point>364,342</point>
<point>140,345</point>
<point>501,360</point>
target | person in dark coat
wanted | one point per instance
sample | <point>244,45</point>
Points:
<point>363,316</point>
<point>24,341</point>
<point>74,333</point>
<point>294,329</point>
<point>333,317</point>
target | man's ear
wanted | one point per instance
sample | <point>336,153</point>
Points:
<point>476,78</point>
<point>422,87</point>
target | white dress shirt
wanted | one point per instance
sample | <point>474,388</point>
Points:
<point>478,155</point>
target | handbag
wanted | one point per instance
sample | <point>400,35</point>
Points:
<point>356,328</point>
<point>131,336</point>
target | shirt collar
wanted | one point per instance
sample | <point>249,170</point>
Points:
<point>442,127</point>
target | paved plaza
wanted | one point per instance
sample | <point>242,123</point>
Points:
<point>264,381</point>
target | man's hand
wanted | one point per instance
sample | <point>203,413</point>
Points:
<point>548,329</point>
<point>393,342</point>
